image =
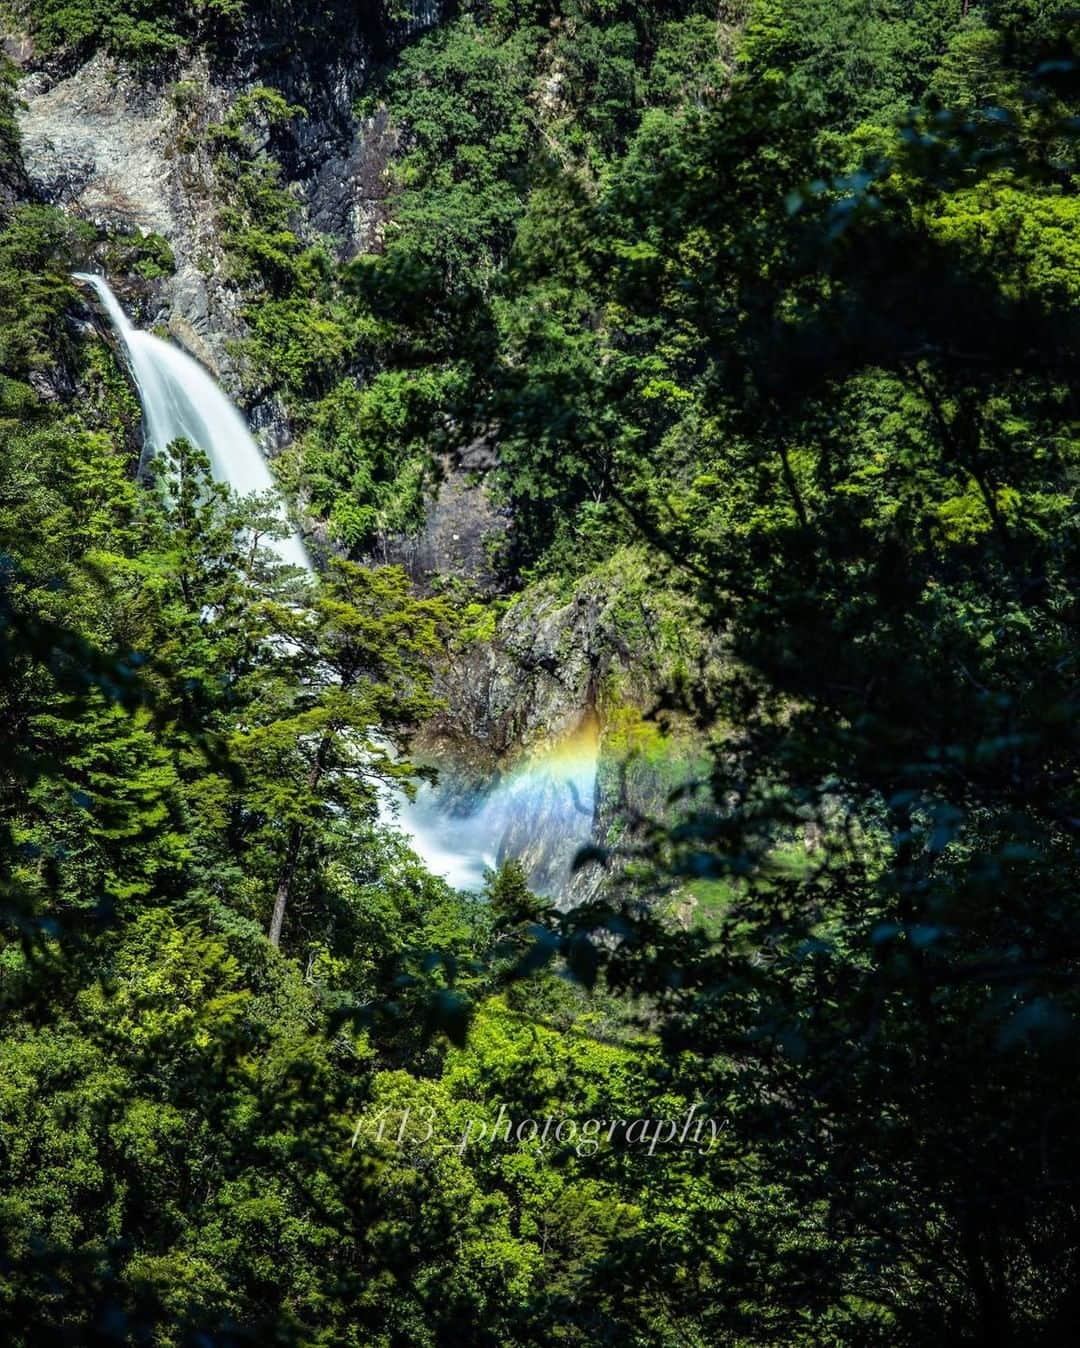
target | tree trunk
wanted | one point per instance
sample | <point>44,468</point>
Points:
<point>792,486</point>
<point>284,887</point>
<point>292,852</point>
<point>991,1303</point>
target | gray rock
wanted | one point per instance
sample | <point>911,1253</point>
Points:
<point>556,673</point>
<point>461,525</point>
<point>271,425</point>
<point>122,153</point>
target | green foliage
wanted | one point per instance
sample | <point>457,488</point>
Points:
<point>837,425</point>
<point>36,248</point>
<point>779,372</point>
<point>845,63</point>
<point>461,95</point>
<point>141,31</point>
<point>146,255</point>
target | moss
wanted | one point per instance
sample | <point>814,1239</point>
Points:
<point>627,732</point>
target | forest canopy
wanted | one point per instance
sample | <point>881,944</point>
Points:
<point>777,300</point>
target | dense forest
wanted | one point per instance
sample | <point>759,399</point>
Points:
<point>764,314</point>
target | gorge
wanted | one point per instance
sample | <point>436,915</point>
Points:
<point>650,430</point>
<point>543,808</point>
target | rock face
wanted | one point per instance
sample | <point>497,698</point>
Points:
<point>109,148</point>
<point>462,524</point>
<point>518,702</point>
<point>128,153</point>
<point>348,194</point>
<point>553,813</point>
<point>528,688</point>
<point>538,717</point>
<point>318,57</point>
<point>98,143</point>
<point>125,151</point>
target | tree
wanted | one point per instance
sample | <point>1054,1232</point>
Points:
<point>876,373</point>
<point>354,676</point>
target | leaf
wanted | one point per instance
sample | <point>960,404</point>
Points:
<point>583,960</point>
<point>450,1013</point>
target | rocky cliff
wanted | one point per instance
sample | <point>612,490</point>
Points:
<point>129,153</point>
<point>579,672</point>
<point>126,150</point>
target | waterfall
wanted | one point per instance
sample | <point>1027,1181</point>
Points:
<point>540,811</point>
<point>181,401</point>
<point>458,850</point>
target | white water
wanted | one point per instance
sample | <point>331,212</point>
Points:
<point>459,850</point>
<point>181,401</point>
<point>541,810</point>
<point>550,795</point>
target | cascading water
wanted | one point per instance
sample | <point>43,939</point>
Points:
<point>542,811</point>
<point>181,402</point>
<point>459,850</point>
